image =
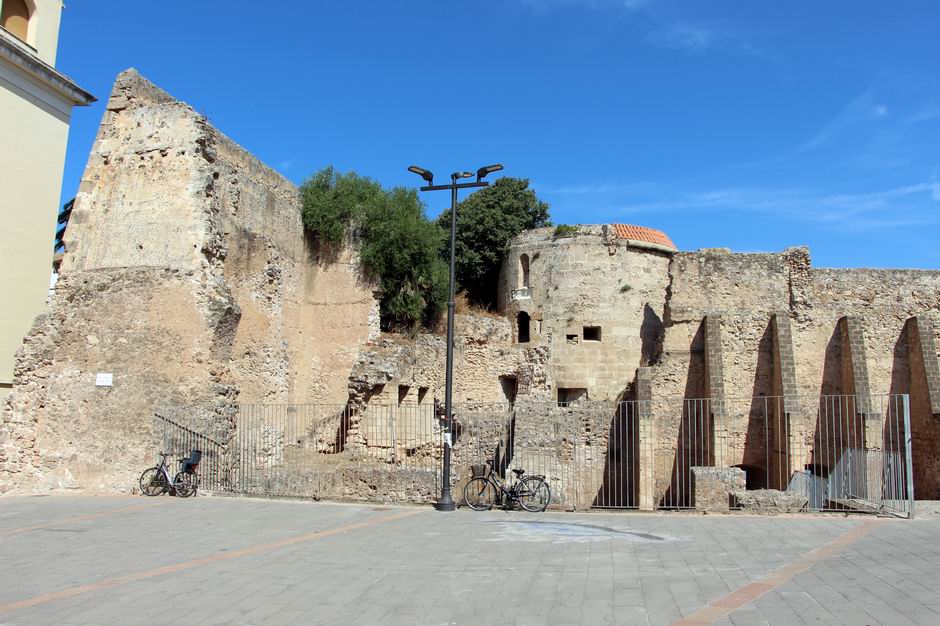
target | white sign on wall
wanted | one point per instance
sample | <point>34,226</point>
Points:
<point>104,380</point>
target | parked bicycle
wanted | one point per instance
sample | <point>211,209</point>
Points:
<point>486,489</point>
<point>156,480</point>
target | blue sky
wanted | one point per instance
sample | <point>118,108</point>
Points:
<point>749,125</point>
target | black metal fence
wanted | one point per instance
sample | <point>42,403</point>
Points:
<point>772,454</point>
<point>178,440</point>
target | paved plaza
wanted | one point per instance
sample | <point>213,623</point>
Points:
<point>132,560</point>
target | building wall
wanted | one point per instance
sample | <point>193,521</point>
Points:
<point>31,175</point>
<point>34,135</point>
<point>43,30</point>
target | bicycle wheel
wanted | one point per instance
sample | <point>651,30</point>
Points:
<point>152,482</point>
<point>479,494</point>
<point>534,494</point>
<point>185,484</point>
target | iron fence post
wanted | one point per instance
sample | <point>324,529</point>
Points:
<point>906,403</point>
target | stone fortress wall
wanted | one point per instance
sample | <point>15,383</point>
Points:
<point>732,328</point>
<point>557,289</point>
<point>188,275</point>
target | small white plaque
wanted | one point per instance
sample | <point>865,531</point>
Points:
<point>448,440</point>
<point>104,380</point>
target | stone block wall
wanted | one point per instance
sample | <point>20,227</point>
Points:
<point>793,331</point>
<point>924,361</point>
<point>587,281</point>
<point>187,275</point>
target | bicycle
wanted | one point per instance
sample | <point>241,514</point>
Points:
<point>485,488</point>
<point>156,481</point>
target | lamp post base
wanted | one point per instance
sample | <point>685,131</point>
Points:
<point>445,503</point>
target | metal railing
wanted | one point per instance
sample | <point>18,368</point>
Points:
<point>828,453</point>
<point>178,441</point>
<point>323,451</point>
<point>773,454</point>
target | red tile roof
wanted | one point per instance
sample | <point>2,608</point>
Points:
<point>641,233</point>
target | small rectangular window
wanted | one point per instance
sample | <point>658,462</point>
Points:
<point>592,333</point>
<point>509,385</point>
<point>571,338</point>
<point>567,396</point>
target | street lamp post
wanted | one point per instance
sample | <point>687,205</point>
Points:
<point>446,500</point>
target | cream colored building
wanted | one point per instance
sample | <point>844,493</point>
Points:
<point>35,109</point>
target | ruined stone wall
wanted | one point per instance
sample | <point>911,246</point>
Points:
<point>396,369</point>
<point>883,301</point>
<point>306,310</point>
<point>740,294</point>
<point>588,280</point>
<point>718,362</point>
<point>188,277</point>
<point>883,304</point>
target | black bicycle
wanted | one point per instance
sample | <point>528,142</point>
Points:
<point>156,480</point>
<point>486,489</point>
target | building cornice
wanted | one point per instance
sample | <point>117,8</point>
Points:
<point>22,57</point>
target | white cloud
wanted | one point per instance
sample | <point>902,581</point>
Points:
<point>682,37</point>
<point>590,4</point>
<point>926,115</point>
<point>888,208</point>
<point>594,189</point>
<point>860,110</point>
<point>668,31</point>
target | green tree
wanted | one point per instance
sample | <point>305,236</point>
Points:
<point>486,222</point>
<point>397,242</point>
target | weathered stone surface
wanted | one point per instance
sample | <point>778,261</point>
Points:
<point>769,501</point>
<point>749,291</point>
<point>187,275</point>
<point>712,487</point>
<point>588,280</point>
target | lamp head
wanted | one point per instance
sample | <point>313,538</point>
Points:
<point>423,173</point>
<point>488,169</point>
<point>457,175</point>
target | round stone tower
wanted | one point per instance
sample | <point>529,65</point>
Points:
<point>594,296</point>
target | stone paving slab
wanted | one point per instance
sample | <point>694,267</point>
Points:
<point>887,577</point>
<point>87,560</point>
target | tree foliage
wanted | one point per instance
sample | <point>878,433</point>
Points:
<point>397,242</point>
<point>486,222</point>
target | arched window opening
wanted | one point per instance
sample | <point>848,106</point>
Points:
<point>14,16</point>
<point>522,321</point>
<point>524,271</point>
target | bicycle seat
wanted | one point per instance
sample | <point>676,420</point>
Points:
<point>518,472</point>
